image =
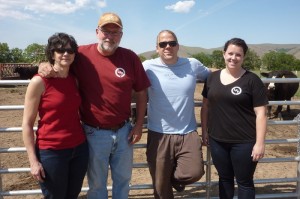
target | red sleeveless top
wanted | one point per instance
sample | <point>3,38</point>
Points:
<point>59,125</point>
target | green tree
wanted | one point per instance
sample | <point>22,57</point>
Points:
<point>142,58</point>
<point>4,53</point>
<point>34,53</point>
<point>217,59</point>
<point>296,64</point>
<point>155,55</point>
<point>204,59</point>
<point>16,55</point>
<point>278,61</point>
<point>252,60</point>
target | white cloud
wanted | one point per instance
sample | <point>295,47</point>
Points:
<point>17,9</point>
<point>9,8</point>
<point>14,14</point>
<point>101,4</point>
<point>181,6</point>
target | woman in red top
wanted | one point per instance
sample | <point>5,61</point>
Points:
<point>58,152</point>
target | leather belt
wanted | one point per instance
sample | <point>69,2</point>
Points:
<point>113,128</point>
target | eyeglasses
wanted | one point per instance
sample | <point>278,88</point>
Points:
<point>112,33</point>
<point>63,50</point>
<point>164,44</point>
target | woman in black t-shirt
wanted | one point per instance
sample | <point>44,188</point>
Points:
<point>234,121</point>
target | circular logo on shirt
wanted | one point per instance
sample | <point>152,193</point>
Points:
<point>120,72</point>
<point>236,90</point>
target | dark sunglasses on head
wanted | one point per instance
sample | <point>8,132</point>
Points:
<point>164,44</point>
<point>63,50</point>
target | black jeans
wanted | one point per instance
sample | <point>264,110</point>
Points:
<point>65,170</point>
<point>234,160</point>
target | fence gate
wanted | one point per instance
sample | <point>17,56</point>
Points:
<point>206,183</point>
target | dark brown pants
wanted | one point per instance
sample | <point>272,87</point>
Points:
<point>173,159</point>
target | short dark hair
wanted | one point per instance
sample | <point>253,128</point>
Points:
<point>238,42</point>
<point>57,41</point>
<point>168,31</point>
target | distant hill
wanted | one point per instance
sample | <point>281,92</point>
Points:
<point>260,49</point>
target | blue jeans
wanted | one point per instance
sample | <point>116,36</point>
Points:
<point>65,170</point>
<point>109,148</point>
<point>234,160</point>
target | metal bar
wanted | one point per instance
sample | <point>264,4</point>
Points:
<point>14,82</point>
<point>280,80</point>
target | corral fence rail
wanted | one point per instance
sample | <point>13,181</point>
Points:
<point>208,183</point>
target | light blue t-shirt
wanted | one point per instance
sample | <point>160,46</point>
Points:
<point>171,94</point>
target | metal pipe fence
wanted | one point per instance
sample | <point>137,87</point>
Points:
<point>208,184</point>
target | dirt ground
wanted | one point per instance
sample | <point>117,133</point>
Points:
<point>14,95</point>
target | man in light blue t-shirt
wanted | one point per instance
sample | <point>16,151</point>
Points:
<point>174,149</point>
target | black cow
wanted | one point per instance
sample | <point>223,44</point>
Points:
<point>280,91</point>
<point>26,72</point>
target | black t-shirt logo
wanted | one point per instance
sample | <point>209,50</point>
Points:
<point>236,90</point>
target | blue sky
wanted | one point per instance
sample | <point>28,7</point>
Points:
<point>197,23</point>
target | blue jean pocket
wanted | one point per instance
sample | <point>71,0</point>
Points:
<point>89,131</point>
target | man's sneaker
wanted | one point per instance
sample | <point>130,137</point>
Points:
<point>179,187</point>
